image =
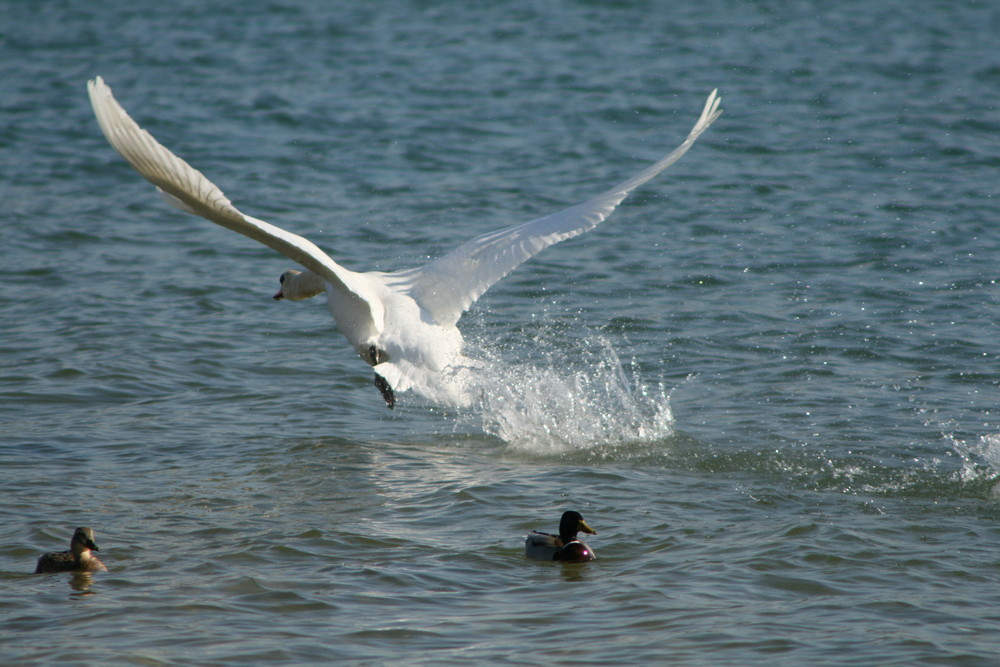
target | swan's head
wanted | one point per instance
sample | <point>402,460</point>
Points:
<point>298,285</point>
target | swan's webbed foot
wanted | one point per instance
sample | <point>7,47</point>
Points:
<point>387,394</point>
<point>376,356</point>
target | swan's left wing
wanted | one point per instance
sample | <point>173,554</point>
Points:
<point>447,286</point>
<point>188,189</point>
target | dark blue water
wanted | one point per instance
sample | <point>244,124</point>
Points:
<point>770,380</point>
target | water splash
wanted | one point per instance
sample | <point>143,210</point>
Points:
<point>570,401</point>
<point>980,459</point>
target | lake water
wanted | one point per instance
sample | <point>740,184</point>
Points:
<point>770,380</point>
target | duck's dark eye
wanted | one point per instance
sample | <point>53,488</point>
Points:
<point>281,280</point>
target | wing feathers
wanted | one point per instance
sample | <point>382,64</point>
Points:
<point>444,288</point>
<point>188,189</point>
<point>447,286</point>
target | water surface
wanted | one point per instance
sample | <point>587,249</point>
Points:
<point>769,380</point>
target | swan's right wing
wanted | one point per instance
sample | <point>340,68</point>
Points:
<point>188,189</point>
<point>447,286</point>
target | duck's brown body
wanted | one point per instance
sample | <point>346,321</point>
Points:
<point>77,559</point>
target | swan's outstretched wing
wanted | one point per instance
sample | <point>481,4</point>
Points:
<point>447,286</point>
<point>188,189</point>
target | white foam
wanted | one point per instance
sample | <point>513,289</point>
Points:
<point>570,400</point>
<point>980,459</point>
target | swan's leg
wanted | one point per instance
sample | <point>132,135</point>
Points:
<point>383,386</point>
<point>376,356</point>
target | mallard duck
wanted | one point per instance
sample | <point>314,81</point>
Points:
<point>564,546</point>
<point>77,559</point>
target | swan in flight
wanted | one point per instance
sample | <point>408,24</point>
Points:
<point>402,323</point>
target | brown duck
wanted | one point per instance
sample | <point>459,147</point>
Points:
<point>78,559</point>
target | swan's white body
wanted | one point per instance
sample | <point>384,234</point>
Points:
<point>402,323</point>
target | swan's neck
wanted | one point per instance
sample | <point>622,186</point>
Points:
<point>301,285</point>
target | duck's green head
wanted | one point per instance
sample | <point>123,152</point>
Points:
<point>573,523</point>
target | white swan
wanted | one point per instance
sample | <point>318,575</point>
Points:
<point>402,323</point>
